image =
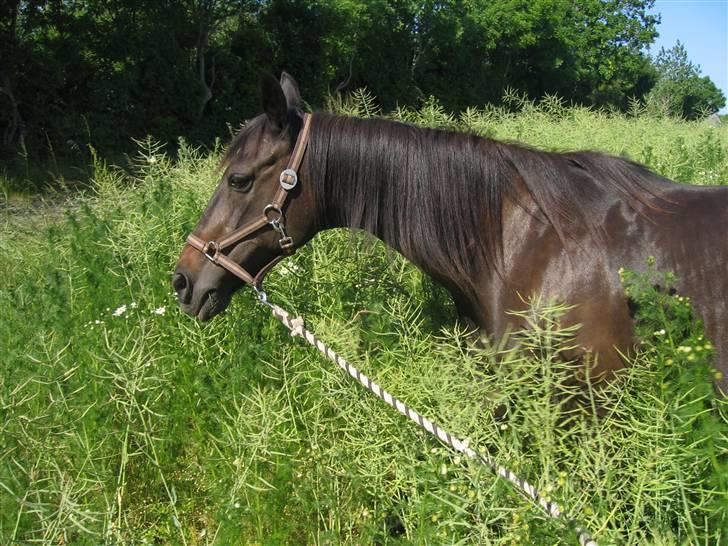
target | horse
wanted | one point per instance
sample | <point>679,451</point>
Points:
<point>492,222</point>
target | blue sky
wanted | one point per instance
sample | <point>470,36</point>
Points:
<point>702,26</point>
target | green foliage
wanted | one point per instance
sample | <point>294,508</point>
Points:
<point>103,72</point>
<point>360,103</point>
<point>674,345</point>
<point>127,422</point>
<point>680,90</point>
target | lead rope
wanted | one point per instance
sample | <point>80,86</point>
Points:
<point>297,328</point>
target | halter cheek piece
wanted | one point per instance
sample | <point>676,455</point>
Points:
<point>272,216</point>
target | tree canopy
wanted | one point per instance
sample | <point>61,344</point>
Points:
<point>103,71</point>
<point>680,89</point>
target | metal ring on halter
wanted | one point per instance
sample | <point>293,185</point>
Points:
<point>210,245</point>
<point>288,179</point>
<point>273,208</point>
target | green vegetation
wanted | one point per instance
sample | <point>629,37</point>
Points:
<point>100,72</point>
<point>124,421</point>
<point>680,90</point>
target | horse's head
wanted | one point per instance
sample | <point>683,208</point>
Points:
<point>258,212</point>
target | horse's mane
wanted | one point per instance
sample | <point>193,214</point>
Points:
<point>438,195</point>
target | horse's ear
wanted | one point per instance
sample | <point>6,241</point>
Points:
<point>274,101</point>
<point>290,90</point>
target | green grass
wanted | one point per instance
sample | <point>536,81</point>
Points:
<point>151,428</point>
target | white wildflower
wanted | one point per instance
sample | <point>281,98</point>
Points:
<point>289,268</point>
<point>120,310</point>
<point>160,311</point>
<point>133,305</point>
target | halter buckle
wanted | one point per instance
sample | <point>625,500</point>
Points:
<point>288,179</point>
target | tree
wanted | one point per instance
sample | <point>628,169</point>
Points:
<point>10,55</point>
<point>107,71</point>
<point>468,53</point>
<point>681,90</point>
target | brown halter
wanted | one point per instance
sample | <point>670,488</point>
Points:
<point>272,216</point>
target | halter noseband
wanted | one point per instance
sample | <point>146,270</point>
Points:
<point>272,216</point>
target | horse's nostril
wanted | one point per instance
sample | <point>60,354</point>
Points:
<point>179,282</point>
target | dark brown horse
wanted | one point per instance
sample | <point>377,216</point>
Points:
<point>494,223</point>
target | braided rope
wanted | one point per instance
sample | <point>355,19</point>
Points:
<point>297,328</point>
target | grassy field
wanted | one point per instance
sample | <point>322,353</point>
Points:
<point>125,422</point>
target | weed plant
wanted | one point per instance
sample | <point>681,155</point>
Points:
<point>125,422</point>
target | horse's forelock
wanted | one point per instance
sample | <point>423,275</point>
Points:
<point>237,143</point>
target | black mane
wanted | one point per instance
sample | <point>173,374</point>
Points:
<point>437,195</point>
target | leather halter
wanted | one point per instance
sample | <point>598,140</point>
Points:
<point>272,216</point>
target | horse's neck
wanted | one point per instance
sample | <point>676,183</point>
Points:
<point>428,195</point>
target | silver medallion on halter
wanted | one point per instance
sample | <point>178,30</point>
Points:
<point>288,179</point>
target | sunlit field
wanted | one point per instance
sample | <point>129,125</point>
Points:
<point>126,422</point>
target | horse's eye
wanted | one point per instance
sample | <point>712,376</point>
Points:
<point>241,182</point>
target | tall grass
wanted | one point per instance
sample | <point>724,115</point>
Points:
<point>126,422</point>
